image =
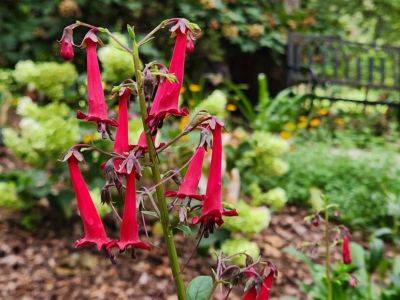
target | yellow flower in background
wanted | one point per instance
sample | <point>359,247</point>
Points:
<point>302,125</point>
<point>339,121</point>
<point>182,90</point>
<point>231,107</point>
<point>194,87</point>
<point>302,119</point>
<point>14,101</point>
<point>290,126</point>
<point>315,122</point>
<point>89,138</point>
<point>285,135</point>
<point>183,122</point>
<point>323,112</point>
<point>191,102</point>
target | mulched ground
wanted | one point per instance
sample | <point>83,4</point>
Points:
<point>44,265</point>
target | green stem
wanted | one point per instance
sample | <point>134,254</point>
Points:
<point>162,203</point>
<point>328,256</point>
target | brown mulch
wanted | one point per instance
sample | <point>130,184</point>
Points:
<point>44,265</point>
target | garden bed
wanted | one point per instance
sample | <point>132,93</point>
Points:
<point>44,264</point>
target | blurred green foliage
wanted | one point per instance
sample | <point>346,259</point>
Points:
<point>240,246</point>
<point>50,78</point>
<point>44,132</point>
<point>250,220</point>
<point>361,182</point>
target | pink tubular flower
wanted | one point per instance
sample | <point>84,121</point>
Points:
<point>167,95</point>
<point>212,210</point>
<point>262,292</point>
<point>142,147</point>
<point>92,224</point>
<point>97,111</point>
<point>121,143</point>
<point>346,254</point>
<point>188,187</point>
<point>129,232</point>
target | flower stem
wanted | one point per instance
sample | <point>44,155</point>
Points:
<point>327,256</point>
<point>162,203</point>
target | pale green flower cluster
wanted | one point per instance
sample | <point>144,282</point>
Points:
<point>50,78</point>
<point>215,104</point>
<point>264,156</point>
<point>44,132</point>
<point>234,246</point>
<point>117,64</point>
<point>275,198</point>
<point>250,220</point>
<point>8,195</point>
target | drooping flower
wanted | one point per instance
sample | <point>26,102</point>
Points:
<point>142,147</point>
<point>188,187</point>
<point>67,43</point>
<point>129,231</point>
<point>97,107</point>
<point>121,143</point>
<point>166,100</point>
<point>92,224</point>
<point>212,210</point>
<point>346,253</point>
<point>261,290</point>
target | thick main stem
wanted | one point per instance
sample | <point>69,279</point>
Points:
<point>328,256</point>
<point>162,203</point>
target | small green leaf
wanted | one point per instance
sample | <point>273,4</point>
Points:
<point>200,288</point>
<point>184,228</point>
<point>150,213</point>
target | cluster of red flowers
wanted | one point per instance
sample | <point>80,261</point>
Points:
<point>165,103</point>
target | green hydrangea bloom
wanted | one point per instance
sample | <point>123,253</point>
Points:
<point>117,64</point>
<point>233,246</point>
<point>44,132</point>
<point>250,220</point>
<point>215,104</point>
<point>50,78</point>
<point>275,198</point>
<point>8,195</point>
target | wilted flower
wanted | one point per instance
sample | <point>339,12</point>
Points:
<point>92,224</point>
<point>129,232</point>
<point>212,210</point>
<point>97,111</point>
<point>188,187</point>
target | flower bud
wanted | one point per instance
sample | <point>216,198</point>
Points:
<point>67,43</point>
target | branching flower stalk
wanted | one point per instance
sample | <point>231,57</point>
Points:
<point>162,202</point>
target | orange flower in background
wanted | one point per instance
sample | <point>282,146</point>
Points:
<point>302,125</point>
<point>231,107</point>
<point>195,88</point>
<point>322,112</point>
<point>338,121</point>
<point>285,135</point>
<point>315,122</point>
<point>303,119</point>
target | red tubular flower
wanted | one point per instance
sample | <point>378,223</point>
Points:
<point>67,43</point>
<point>167,95</point>
<point>212,210</point>
<point>188,187</point>
<point>92,224</point>
<point>346,254</point>
<point>129,232</point>
<point>262,292</point>
<point>97,111</point>
<point>121,143</point>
